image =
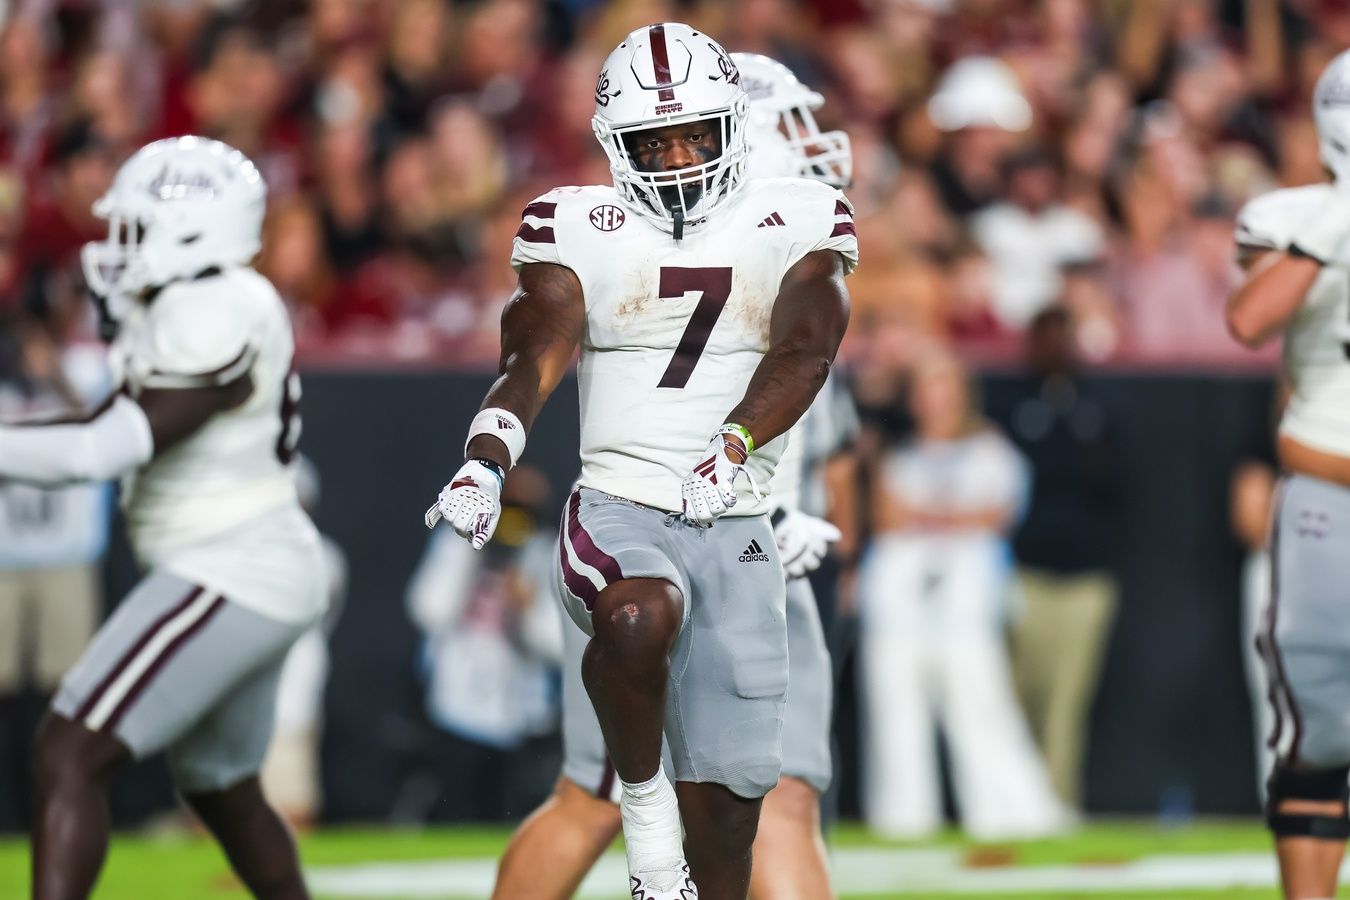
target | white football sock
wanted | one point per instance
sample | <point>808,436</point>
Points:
<point>651,825</point>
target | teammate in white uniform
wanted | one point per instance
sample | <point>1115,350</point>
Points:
<point>1295,246</point>
<point>568,833</point>
<point>704,303</point>
<point>200,430</point>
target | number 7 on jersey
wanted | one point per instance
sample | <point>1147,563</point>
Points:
<point>715,284</point>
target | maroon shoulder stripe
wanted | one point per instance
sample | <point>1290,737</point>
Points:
<point>841,208</point>
<point>97,693</point>
<point>585,548</point>
<point>661,61</point>
<point>540,209</point>
<point>843,228</point>
<point>158,665</point>
<point>536,235</point>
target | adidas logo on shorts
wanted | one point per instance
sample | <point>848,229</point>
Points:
<point>754,553</point>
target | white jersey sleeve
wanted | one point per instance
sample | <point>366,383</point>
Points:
<point>1317,338</point>
<point>827,224</point>
<point>188,343</point>
<point>1270,221</point>
<point>536,239</point>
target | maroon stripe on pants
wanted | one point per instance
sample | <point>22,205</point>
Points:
<point>606,786</point>
<point>88,706</point>
<point>661,61</point>
<point>1279,680</point>
<point>585,548</point>
<point>577,583</point>
<point>160,662</point>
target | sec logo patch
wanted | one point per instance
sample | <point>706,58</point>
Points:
<point>607,218</point>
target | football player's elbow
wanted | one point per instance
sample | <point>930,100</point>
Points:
<point>1245,328</point>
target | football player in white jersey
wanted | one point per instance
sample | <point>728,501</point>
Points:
<point>200,429</point>
<point>704,303</point>
<point>1295,247</point>
<point>568,833</point>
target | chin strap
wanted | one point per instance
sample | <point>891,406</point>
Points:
<point>678,216</point>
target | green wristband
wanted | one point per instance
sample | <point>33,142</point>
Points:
<point>741,432</point>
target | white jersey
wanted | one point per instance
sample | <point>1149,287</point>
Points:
<point>190,507</point>
<point>675,329</point>
<point>1317,338</point>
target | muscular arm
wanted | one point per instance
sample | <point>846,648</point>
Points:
<point>541,328</point>
<point>1272,293</point>
<point>122,435</point>
<point>808,322</point>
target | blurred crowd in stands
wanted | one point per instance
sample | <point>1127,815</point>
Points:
<point>1010,154</point>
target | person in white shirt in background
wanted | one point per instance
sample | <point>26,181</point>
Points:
<point>52,541</point>
<point>1030,239</point>
<point>492,644</point>
<point>932,595</point>
<point>291,777</point>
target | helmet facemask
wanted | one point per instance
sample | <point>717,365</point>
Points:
<point>676,198</point>
<point>824,155</point>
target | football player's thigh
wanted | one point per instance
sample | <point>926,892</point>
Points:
<point>806,718</point>
<point>605,540</point>
<point>729,669</point>
<point>1310,610</point>
<point>165,658</point>
<point>229,743</point>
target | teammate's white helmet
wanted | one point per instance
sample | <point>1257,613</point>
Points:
<point>782,133</point>
<point>176,208</point>
<point>670,74</point>
<point>1331,112</point>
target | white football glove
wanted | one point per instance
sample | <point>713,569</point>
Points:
<point>471,503</point>
<point>802,541</point>
<point>710,489</point>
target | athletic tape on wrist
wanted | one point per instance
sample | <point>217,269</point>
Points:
<point>741,432</point>
<point>501,424</point>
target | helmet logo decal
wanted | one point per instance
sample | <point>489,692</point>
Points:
<point>602,94</point>
<point>171,185</point>
<point>729,70</point>
<point>607,217</point>
<point>1336,92</point>
<point>661,62</point>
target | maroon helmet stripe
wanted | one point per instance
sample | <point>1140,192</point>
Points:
<point>535,235</point>
<point>540,209</point>
<point>661,62</point>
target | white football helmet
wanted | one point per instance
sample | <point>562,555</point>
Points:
<point>1331,113</point>
<point>782,133</point>
<point>177,207</point>
<point>670,74</point>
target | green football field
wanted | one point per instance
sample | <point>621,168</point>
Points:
<point>1106,861</point>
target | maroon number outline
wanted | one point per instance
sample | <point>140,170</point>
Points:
<point>288,441</point>
<point>715,284</point>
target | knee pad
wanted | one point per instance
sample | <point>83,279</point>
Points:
<point>1322,786</point>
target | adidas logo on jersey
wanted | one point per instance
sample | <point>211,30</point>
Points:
<point>754,553</point>
<point>772,220</point>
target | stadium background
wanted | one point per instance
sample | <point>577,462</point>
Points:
<point>400,139</point>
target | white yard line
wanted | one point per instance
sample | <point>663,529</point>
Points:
<point>857,871</point>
